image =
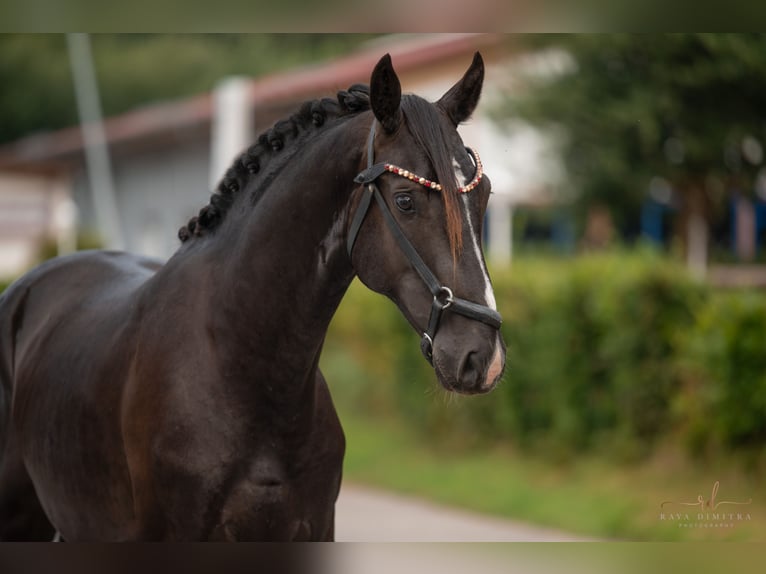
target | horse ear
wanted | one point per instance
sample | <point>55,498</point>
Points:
<point>461,99</point>
<point>386,95</point>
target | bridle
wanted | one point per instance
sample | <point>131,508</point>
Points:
<point>443,298</point>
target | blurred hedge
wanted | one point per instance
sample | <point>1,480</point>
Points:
<point>613,353</point>
<point>723,403</point>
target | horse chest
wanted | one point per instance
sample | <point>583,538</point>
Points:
<point>286,494</point>
<point>268,502</point>
<point>272,491</point>
<point>256,510</point>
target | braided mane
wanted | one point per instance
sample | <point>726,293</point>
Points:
<point>311,115</point>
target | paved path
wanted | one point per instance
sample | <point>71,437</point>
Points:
<point>364,514</point>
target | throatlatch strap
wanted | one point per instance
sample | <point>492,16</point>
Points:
<point>366,177</point>
<point>356,223</point>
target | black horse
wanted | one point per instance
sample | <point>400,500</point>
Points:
<point>183,401</point>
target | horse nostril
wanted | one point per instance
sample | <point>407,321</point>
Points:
<point>470,372</point>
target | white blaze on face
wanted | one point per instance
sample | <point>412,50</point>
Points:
<point>495,367</point>
<point>489,294</point>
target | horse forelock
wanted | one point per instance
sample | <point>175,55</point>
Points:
<point>430,131</point>
<point>284,136</point>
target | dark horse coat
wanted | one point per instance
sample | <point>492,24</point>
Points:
<point>142,401</point>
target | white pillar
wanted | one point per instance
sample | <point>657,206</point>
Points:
<point>500,218</point>
<point>232,128</point>
<point>94,137</point>
<point>697,239</point>
<point>65,216</point>
<point>746,235</point>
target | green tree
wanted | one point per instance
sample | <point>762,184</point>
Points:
<point>686,109</point>
<point>37,91</point>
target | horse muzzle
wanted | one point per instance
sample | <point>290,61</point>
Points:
<point>469,367</point>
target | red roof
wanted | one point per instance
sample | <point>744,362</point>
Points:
<point>409,53</point>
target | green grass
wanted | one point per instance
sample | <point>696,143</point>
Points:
<point>591,496</point>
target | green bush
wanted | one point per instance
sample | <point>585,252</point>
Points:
<point>593,346</point>
<point>723,403</point>
<point>592,343</point>
<point>609,353</point>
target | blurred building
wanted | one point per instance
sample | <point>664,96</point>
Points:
<point>35,207</point>
<point>166,157</point>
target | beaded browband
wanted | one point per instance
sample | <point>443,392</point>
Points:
<point>437,186</point>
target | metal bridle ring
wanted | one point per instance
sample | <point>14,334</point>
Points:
<point>448,296</point>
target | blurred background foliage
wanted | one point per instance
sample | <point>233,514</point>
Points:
<point>614,353</point>
<point>664,113</point>
<point>135,69</point>
<point>627,383</point>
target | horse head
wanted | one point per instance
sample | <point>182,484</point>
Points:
<point>416,226</point>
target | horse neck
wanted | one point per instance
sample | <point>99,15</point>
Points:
<point>281,270</point>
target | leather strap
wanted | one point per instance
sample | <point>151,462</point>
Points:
<point>404,244</point>
<point>356,223</point>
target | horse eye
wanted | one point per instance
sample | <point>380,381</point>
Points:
<point>404,202</point>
